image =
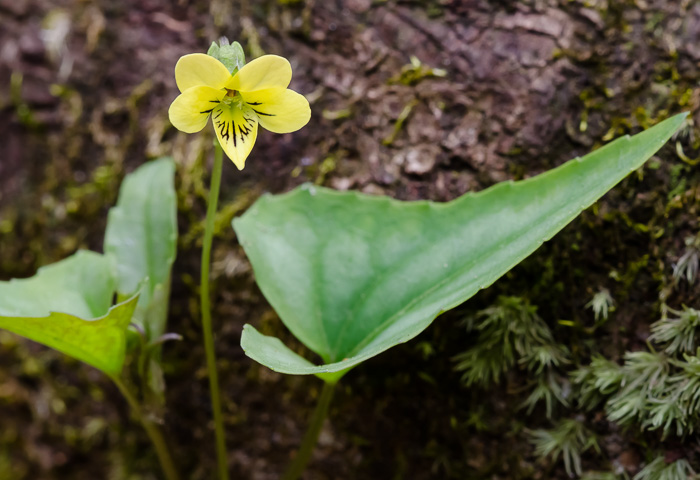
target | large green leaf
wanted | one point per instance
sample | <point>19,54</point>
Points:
<point>141,237</point>
<point>352,275</point>
<point>66,306</point>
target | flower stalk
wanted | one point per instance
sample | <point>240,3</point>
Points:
<point>298,465</point>
<point>205,306</point>
<point>154,433</point>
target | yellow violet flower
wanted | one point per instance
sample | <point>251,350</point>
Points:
<point>256,94</point>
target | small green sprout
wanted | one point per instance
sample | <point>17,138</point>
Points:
<point>548,388</point>
<point>509,332</point>
<point>665,413</point>
<point>687,266</point>
<point>651,390</point>
<point>645,375</point>
<point>569,439</point>
<point>607,375</point>
<point>415,72</point>
<point>596,381</point>
<point>660,469</point>
<point>602,304</point>
<point>678,334</point>
<point>689,381</point>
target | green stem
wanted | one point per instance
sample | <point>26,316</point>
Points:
<point>206,315</point>
<point>154,433</point>
<point>303,456</point>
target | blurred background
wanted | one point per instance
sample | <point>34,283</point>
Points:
<point>422,99</point>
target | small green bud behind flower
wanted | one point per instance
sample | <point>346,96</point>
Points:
<point>231,55</point>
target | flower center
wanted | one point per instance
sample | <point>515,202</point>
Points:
<point>232,98</point>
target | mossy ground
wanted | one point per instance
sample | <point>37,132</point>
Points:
<point>84,92</point>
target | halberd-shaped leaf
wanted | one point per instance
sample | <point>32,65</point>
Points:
<point>352,275</point>
<point>141,237</point>
<point>66,306</point>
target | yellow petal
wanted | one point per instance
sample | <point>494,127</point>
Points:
<point>236,130</point>
<point>278,110</point>
<point>190,110</point>
<point>199,69</point>
<point>268,71</point>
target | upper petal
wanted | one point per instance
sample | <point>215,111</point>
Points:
<point>199,69</point>
<point>236,130</point>
<point>268,71</point>
<point>190,110</point>
<point>279,110</point>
